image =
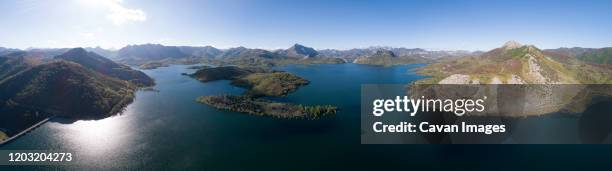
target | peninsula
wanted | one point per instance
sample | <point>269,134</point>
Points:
<point>260,83</point>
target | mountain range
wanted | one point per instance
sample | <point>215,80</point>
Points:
<point>591,55</point>
<point>89,83</point>
<point>160,55</point>
<point>150,56</point>
<point>296,54</point>
<point>389,58</point>
<point>515,63</point>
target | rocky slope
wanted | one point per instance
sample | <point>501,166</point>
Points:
<point>299,51</point>
<point>533,82</point>
<point>514,63</point>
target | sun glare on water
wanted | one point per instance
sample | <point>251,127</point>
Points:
<point>96,137</point>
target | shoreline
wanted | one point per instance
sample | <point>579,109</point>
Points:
<point>25,131</point>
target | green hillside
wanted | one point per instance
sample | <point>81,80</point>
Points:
<point>66,89</point>
<point>388,58</point>
<point>105,66</point>
<point>259,81</point>
<point>515,64</point>
<point>599,56</point>
<point>271,83</point>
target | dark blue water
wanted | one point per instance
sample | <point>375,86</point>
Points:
<point>169,130</point>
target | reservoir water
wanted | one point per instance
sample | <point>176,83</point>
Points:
<point>169,130</point>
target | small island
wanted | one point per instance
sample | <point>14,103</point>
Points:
<point>152,65</point>
<point>270,84</point>
<point>225,73</point>
<point>262,107</point>
<point>260,83</point>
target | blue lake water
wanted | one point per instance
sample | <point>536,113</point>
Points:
<point>169,130</point>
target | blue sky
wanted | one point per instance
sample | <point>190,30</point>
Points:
<point>322,24</point>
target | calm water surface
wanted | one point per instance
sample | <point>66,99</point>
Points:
<point>169,130</point>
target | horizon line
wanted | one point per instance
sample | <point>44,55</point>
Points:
<point>279,48</point>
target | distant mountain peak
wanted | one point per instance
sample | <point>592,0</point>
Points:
<point>514,49</point>
<point>512,45</point>
<point>88,59</point>
<point>298,45</point>
<point>78,50</point>
<point>384,53</point>
<point>298,50</point>
<point>74,53</point>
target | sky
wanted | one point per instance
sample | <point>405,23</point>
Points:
<point>322,24</point>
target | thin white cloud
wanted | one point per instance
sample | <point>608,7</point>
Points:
<point>120,14</point>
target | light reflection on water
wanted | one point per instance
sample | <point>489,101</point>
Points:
<point>95,138</point>
<point>168,129</point>
<point>94,142</point>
